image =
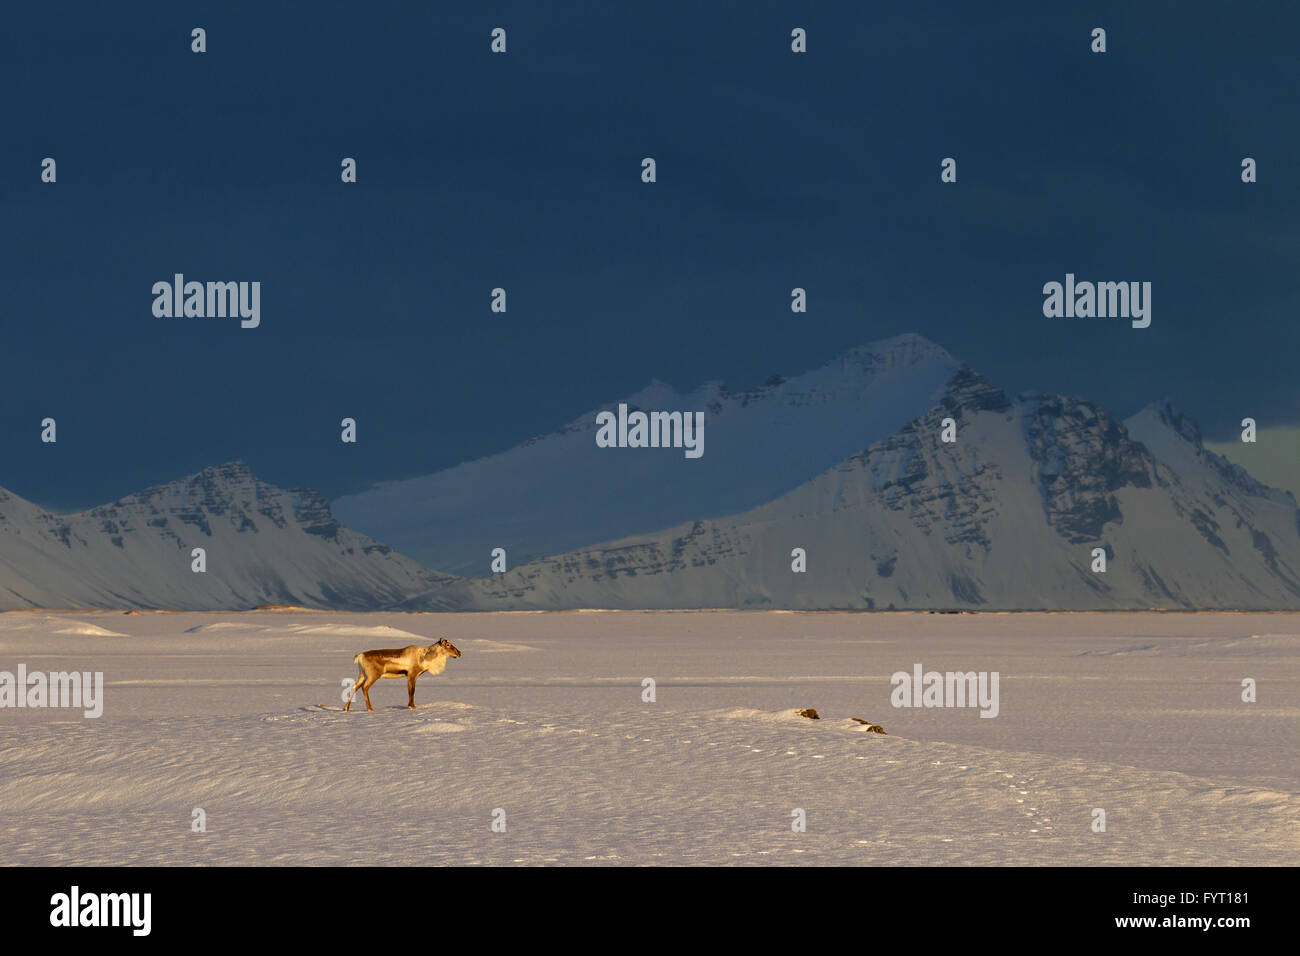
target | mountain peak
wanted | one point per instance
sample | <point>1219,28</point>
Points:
<point>909,348</point>
<point>265,545</point>
<point>237,468</point>
<point>1175,438</point>
<point>654,395</point>
<point>1171,415</point>
<point>968,390</point>
<point>817,417</point>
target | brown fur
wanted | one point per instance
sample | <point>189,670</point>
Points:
<point>409,662</point>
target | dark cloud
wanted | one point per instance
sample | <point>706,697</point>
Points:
<point>522,171</point>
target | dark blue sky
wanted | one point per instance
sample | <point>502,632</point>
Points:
<point>523,171</point>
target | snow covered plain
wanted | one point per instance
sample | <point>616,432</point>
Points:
<point>1137,714</point>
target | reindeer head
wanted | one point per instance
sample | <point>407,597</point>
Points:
<point>448,648</point>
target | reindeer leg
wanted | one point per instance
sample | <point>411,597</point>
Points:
<point>365,689</point>
<point>355,688</point>
<point>410,691</point>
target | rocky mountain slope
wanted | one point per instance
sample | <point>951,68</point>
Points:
<point>1006,517</point>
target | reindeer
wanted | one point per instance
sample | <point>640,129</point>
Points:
<point>409,662</point>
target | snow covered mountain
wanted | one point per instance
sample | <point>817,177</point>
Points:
<point>262,545</point>
<point>561,492</point>
<point>1006,517</point>
<point>847,463</point>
